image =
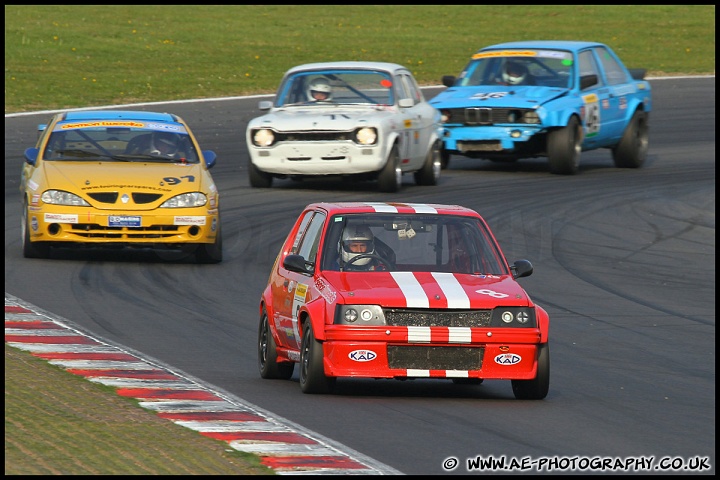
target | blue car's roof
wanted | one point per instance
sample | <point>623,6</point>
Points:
<point>119,115</point>
<point>554,44</point>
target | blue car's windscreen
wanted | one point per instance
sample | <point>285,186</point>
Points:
<point>548,68</point>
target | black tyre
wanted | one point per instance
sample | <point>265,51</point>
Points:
<point>258,178</point>
<point>211,252</point>
<point>312,372</point>
<point>444,158</point>
<point>267,354</point>
<point>390,177</point>
<point>31,249</point>
<point>564,146</point>
<point>467,381</point>
<point>537,388</point>
<point>633,146</point>
<point>430,171</point>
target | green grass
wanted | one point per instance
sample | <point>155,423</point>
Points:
<point>59,56</point>
<point>77,56</point>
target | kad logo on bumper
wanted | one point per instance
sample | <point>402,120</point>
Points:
<point>507,359</point>
<point>362,355</point>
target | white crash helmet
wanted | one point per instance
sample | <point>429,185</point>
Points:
<point>169,142</point>
<point>319,85</point>
<point>357,233</point>
<point>514,73</point>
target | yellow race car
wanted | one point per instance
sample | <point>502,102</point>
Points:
<point>119,179</point>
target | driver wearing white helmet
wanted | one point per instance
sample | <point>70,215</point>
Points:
<point>515,73</point>
<point>357,249</point>
<point>319,90</point>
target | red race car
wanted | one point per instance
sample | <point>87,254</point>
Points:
<point>400,290</point>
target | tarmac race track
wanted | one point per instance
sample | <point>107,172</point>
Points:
<point>624,263</point>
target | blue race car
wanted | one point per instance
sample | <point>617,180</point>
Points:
<point>550,99</point>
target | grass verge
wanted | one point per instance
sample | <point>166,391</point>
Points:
<point>57,423</point>
<point>67,56</point>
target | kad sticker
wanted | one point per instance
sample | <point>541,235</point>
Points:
<point>507,359</point>
<point>362,355</point>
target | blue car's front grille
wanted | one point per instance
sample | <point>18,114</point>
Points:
<point>487,116</point>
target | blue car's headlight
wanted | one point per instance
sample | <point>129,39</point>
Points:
<point>60,197</point>
<point>186,200</point>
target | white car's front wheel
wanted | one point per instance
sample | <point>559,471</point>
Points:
<point>258,178</point>
<point>390,178</point>
<point>430,171</point>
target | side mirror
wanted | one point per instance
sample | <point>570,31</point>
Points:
<point>638,73</point>
<point>521,268</point>
<point>265,105</point>
<point>296,263</point>
<point>210,158</point>
<point>406,102</point>
<point>31,155</point>
<point>448,80</point>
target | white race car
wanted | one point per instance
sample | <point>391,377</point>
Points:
<point>368,120</point>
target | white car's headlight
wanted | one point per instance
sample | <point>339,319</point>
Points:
<point>59,197</point>
<point>366,136</point>
<point>186,200</point>
<point>263,137</point>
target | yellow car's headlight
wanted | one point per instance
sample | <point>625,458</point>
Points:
<point>60,197</point>
<point>186,200</point>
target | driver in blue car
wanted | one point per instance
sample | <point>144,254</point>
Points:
<point>515,73</point>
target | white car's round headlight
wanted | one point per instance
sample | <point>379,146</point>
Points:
<point>263,137</point>
<point>366,136</point>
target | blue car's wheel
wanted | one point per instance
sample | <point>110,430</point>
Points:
<point>633,147</point>
<point>563,148</point>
